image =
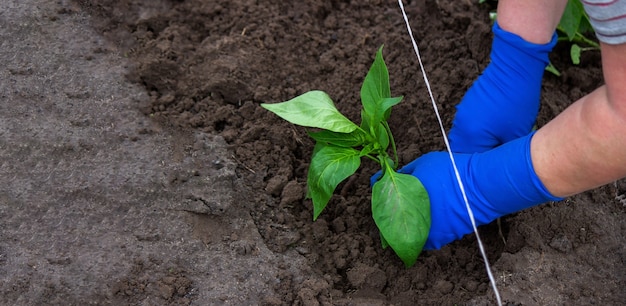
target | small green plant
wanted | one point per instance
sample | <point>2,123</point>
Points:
<point>400,204</point>
<point>573,27</point>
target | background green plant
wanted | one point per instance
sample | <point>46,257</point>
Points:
<point>400,204</point>
<point>573,28</point>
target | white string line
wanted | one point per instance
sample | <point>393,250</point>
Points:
<point>456,170</point>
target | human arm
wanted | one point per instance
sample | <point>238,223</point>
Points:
<point>582,148</point>
<point>497,182</point>
<point>533,20</point>
<point>502,104</point>
<point>585,146</point>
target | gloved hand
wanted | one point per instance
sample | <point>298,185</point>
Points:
<point>503,103</point>
<point>497,182</point>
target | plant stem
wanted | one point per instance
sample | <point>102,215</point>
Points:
<point>387,167</point>
<point>393,145</point>
<point>581,38</point>
<point>373,158</point>
<point>362,130</point>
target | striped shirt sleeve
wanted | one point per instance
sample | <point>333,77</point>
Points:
<point>608,18</point>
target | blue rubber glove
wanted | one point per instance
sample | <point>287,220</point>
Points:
<point>503,103</point>
<point>497,182</point>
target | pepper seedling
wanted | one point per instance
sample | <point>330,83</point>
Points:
<point>400,204</point>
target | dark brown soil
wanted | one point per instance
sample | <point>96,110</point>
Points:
<point>208,64</point>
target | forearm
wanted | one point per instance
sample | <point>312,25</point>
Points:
<point>585,146</point>
<point>533,20</point>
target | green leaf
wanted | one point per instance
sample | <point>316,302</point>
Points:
<point>330,165</point>
<point>383,137</point>
<point>585,26</point>
<point>366,122</point>
<point>383,242</point>
<point>375,88</point>
<point>387,104</point>
<point>349,140</point>
<point>368,149</point>
<point>550,68</point>
<point>312,109</point>
<point>401,210</point>
<point>571,18</point>
<point>575,54</point>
